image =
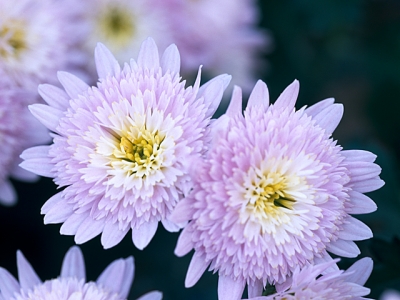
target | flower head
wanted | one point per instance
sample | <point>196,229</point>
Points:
<point>318,282</point>
<point>113,284</point>
<point>122,149</point>
<point>37,38</point>
<point>15,119</point>
<point>274,193</point>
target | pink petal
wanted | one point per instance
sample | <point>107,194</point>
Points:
<point>148,55</point>
<point>112,234</point>
<point>118,276</point>
<point>54,96</point>
<point>315,109</point>
<point>212,92</point>
<point>196,268</point>
<point>71,225</point>
<point>171,60</point>
<point>106,64</point>
<point>354,230</point>
<point>330,117</point>
<point>367,185</point>
<point>26,274</point>
<point>155,295</point>
<point>361,170</point>
<point>37,161</point>
<point>358,155</point>
<point>184,244</point>
<point>230,289</point>
<point>256,289</point>
<point>50,203</point>
<point>182,212</point>
<point>235,106</point>
<point>47,115</point>
<point>88,229</point>
<point>259,96</point>
<point>142,236</point>
<point>170,226</point>
<point>343,248</point>
<point>8,284</point>
<point>59,212</point>
<point>288,97</point>
<point>72,84</point>
<point>360,271</point>
<point>73,264</point>
<point>361,204</point>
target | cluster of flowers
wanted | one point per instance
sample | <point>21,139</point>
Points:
<point>262,196</point>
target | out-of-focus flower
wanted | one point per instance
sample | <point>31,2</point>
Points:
<point>315,282</point>
<point>37,38</point>
<point>223,36</point>
<point>274,192</point>
<point>390,295</point>
<point>114,282</point>
<point>123,149</point>
<point>18,131</point>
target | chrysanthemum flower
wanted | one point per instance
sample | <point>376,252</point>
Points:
<point>316,282</point>
<point>274,192</point>
<point>122,150</point>
<point>18,131</point>
<point>37,38</point>
<point>113,284</point>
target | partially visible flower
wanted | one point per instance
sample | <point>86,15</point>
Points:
<point>390,295</point>
<point>113,283</point>
<point>18,131</point>
<point>37,38</point>
<point>274,193</point>
<point>122,150</point>
<point>316,282</point>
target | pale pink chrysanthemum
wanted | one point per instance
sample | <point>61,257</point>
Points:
<point>113,283</point>
<point>37,38</point>
<point>122,150</point>
<point>315,282</point>
<point>274,192</point>
<point>18,131</point>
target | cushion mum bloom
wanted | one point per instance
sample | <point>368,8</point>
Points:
<point>308,284</point>
<point>123,148</point>
<point>273,193</point>
<point>15,118</point>
<point>113,284</point>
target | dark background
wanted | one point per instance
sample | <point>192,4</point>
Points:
<point>349,50</point>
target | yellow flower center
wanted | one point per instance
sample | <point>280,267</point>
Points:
<point>117,25</point>
<point>14,35</point>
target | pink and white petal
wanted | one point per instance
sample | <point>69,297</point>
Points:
<point>106,64</point>
<point>36,152</point>
<point>118,276</point>
<point>368,185</point>
<point>59,212</point>
<point>361,170</point>
<point>171,60</point>
<point>343,248</point>
<point>229,288</point>
<point>8,284</point>
<point>112,234</point>
<point>26,274</point>
<point>315,109</point>
<point>358,155</point>
<point>54,96</point>
<point>47,115</point>
<point>8,195</point>
<point>354,230</point>
<point>89,229</point>
<point>72,84</point>
<point>235,105</point>
<point>259,96</point>
<point>182,212</point>
<point>330,117</point>
<point>51,202</point>
<point>154,295</point>
<point>326,258</point>
<point>360,271</point>
<point>142,236</point>
<point>197,267</point>
<point>362,204</point>
<point>39,166</point>
<point>73,264</point>
<point>184,244</point>
<point>71,225</point>
<point>288,97</point>
<point>212,92</point>
<point>148,57</point>
<point>255,289</point>
<point>170,226</point>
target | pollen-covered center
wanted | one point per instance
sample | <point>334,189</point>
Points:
<point>12,39</point>
<point>117,25</point>
<point>140,150</point>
